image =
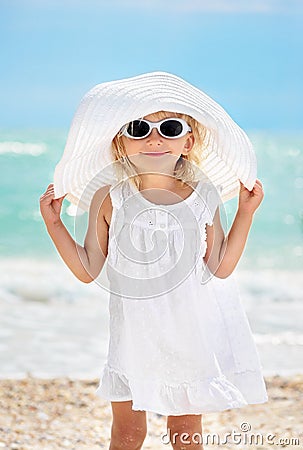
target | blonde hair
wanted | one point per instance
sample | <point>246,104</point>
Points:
<point>184,167</point>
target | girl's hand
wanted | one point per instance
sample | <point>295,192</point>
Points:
<point>249,201</point>
<point>50,208</point>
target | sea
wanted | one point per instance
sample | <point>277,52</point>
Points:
<point>52,324</point>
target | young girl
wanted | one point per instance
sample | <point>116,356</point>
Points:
<point>151,158</point>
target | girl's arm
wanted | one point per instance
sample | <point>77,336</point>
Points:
<point>223,253</point>
<point>85,261</point>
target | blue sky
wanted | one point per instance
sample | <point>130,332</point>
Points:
<point>246,55</point>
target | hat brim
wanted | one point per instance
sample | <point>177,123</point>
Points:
<point>105,108</point>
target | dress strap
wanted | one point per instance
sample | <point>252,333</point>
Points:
<point>117,194</point>
<point>207,200</point>
<point>213,201</point>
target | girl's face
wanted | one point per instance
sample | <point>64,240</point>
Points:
<point>155,151</point>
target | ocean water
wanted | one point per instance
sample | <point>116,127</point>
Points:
<point>52,324</point>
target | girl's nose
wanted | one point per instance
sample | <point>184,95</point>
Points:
<point>154,138</point>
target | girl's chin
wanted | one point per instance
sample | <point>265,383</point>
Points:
<point>159,158</point>
<point>154,167</point>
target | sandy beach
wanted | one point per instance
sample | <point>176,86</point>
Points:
<point>53,414</point>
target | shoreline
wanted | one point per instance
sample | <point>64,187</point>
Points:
<point>58,413</point>
<point>19,376</point>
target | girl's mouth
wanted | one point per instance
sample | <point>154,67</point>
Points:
<point>155,153</point>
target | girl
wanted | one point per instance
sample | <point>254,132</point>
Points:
<point>164,158</point>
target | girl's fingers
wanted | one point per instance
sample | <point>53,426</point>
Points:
<point>257,185</point>
<point>47,196</point>
<point>48,193</point>
<point>49,189</point>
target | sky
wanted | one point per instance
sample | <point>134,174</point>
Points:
<point>247,55</point>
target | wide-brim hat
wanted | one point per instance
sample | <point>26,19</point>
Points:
<point>104,109</point>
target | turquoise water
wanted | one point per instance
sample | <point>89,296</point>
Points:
<point>28,159</point>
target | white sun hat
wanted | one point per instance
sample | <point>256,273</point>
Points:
<point>104,109</point>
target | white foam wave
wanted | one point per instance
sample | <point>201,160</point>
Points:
<point>73,210</point>
<point>35,280</point>
<point>271,286</point>
<point>22,148</point>
<point>45,310</point>
<point>282,338</point>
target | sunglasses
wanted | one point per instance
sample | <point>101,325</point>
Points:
<point>167,128</point>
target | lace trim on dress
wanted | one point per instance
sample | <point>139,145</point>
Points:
<point>215,394</point>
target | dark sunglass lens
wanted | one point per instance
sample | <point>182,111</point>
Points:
<point>137,128</point>
<point>171,128</point>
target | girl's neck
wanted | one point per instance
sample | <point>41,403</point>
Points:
<point>158,181</point>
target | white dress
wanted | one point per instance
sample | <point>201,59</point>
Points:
<point>180,341</point>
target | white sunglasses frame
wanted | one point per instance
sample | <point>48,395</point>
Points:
<point>152,125</point>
